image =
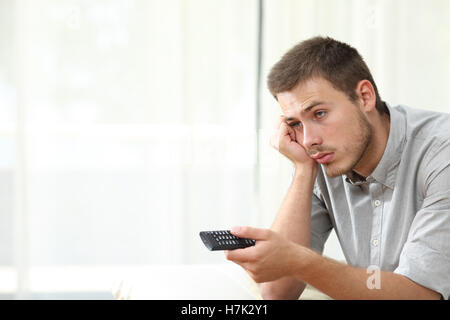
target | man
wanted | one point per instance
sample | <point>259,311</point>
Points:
<point>379,175</point>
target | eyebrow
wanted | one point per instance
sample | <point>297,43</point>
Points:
<point>306,110</point>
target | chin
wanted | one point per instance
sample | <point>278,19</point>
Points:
<point>333,170</point>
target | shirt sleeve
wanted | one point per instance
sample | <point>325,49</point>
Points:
<point>320,223</point>
<point>425,257</point>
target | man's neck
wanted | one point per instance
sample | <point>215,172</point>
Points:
<point>375,149</point>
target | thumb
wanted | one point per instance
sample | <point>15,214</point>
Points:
<point>250,232</point>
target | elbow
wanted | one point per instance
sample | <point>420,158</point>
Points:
<point>269,295</point>
<point>270,292</point>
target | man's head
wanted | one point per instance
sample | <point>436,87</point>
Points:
<point>328,96</point>
<point>332,60</point>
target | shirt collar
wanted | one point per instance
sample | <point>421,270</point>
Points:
<point>386,169</point>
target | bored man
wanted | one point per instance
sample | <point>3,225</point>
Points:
<point>379,175</point>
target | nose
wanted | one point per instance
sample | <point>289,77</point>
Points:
<point>311,137</point>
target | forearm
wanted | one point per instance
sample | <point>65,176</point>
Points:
<point>340,281</point>
<point>293,222</point>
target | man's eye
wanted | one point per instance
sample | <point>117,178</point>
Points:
<point>295,124</point>
<point>320,114</point>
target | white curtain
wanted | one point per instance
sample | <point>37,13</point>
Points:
<point>129,127</point>
<point>126,127</point>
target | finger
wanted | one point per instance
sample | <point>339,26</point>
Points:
<point>244,265</point>
<point>240,256</point>
<point>279,133</point>
<point>250,232</point>
<point>275,137</point>
<point>285,130</point>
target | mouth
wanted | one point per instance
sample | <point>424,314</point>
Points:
<point>323,157</point>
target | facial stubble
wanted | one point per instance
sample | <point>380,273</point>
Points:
<point>356,149</point>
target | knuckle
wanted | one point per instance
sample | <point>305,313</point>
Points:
<point>229,255</point>
<point>244,229</point>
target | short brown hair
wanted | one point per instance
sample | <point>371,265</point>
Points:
<point>335,61</point>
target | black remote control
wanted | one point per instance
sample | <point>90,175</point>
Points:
<point>224,240</point>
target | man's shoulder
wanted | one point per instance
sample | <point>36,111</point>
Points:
<point>427,141</point>
<point>422,124</point>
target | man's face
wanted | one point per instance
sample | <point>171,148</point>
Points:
<point>326,121</point>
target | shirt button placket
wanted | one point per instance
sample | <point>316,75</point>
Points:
<point>376,194</point>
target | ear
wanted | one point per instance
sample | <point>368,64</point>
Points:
<point>366,95</point>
